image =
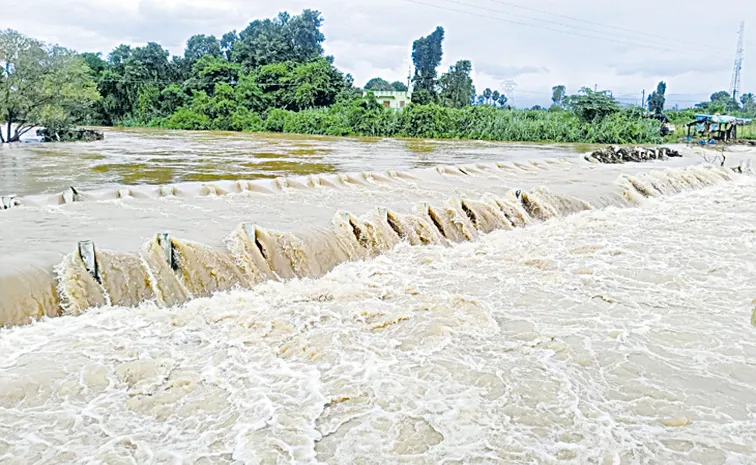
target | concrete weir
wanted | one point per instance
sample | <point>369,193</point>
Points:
<point>77,250</point>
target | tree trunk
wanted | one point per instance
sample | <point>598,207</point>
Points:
<point>10,118</point>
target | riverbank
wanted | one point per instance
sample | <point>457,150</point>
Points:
<point>479,122</point>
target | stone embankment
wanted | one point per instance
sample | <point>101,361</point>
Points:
<point>613,154</point>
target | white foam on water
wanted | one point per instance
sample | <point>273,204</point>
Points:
<point>612,336</point>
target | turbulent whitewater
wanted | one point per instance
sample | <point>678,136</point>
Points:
<point>609,336</point>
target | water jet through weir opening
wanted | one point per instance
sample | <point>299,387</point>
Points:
<point>88,256</point>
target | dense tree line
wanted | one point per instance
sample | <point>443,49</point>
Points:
<point>220,83</point>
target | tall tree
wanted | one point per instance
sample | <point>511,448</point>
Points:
<point>427,53</point>
<point>145,73</point>
<point>284,38</point>
<point>590,105</point>
<point>227,43</point>
<point>210,71</point>
<point>495,97</point>
<point>749,103</point>
<point>719,102</point>
<point>487,94</point>
<point>378,84</point>
<point>200,45</point>
<point>558,94</point>
<point>399,86</point>
<point>297,86</point>
<point>657,99</point>
<point>721,95</point>
<point>95,62</point>
<point>118,56</point>
<point>457,89</point>
<point>40,85</point>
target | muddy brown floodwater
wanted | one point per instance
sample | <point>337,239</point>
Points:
<point>152,156</point>
<point>515,304</point>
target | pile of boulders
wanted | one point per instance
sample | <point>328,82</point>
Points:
<point>613,154</point>
<point>70,135</point>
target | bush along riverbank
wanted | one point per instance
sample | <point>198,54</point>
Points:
<point>364,117</point>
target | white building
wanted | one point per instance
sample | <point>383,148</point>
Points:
<point>392,99</point>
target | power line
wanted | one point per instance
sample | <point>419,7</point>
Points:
<point>605,26</point>
<point>643,42</point>
<point>470,13</point>
<point>169,81</point>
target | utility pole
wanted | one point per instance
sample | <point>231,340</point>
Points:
<point>738,66</point>
<point>643,99</point>
<point>509,87</point>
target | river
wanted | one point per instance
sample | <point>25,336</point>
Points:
<point>539,309</point>
<point>154,156</point>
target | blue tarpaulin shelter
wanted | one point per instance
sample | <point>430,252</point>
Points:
<point>720,127</point>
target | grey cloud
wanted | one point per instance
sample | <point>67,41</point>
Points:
<point>384,57</point>
<point>670,68</point>
<point>502,71</point>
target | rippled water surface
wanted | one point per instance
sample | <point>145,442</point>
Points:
<point>613,336</point>
<point>151,156</point>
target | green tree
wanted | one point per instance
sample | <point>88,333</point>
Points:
<point>457,89</point>
<point>558,94</point>
<point>249,94</point>
<point>117,58</point>
<point>41,85</point>
<point>719,102</point>
<point>593,106</point>
<point>146,72</point>
<point>495,96</point>
<point>295,86</point>
<point>201,45</point>
<point>399,86</point>
<point>427,53</point>
<point>95,63</point>
<point>118,96</point>
<point>284,38</point>
<point>720,96</point>
<point>481,100</point>
<point>487,94</point>
<point>148,65</point>
<point>208,71</point>
<point>378,84</point>
<point>749,103</point>
<point>657,99</point>
<point>227,43</point>
<point>172,98</point>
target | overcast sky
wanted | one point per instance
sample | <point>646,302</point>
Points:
<point>621,45</point>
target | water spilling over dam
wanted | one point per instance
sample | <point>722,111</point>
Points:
<point>124,245</point>
<point>532,311</point>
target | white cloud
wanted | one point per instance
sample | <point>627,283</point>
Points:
<point>630,45</point>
